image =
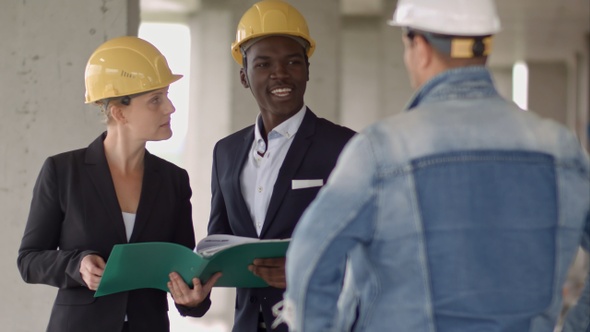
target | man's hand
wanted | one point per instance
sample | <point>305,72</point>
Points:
<point>190,297</point>
<point>91,270</point>
<point>271,270</point>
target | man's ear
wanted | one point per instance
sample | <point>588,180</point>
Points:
<point>423,51</point>
<point>244,78</point>
<point>307,64</point>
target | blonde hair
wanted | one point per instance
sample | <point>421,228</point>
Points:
<point>105,107</point>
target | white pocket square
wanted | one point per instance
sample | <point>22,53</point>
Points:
<point>301,184</point>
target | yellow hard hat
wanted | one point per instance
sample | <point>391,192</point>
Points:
<point>267,18</point>
<point>125,66</point>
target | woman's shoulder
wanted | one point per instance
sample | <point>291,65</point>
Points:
<point>161,163</point>
<point>93,153</point>
<point>67,157</point>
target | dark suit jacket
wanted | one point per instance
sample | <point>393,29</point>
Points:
<point>74,212</point>
<point>312,155</point>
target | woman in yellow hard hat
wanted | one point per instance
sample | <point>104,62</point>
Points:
<point>114,191</point>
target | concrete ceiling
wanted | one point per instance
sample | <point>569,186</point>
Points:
<point>169,6</point>
<point>540,30</point>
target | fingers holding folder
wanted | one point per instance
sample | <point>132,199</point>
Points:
<point>271,270</point>
<point>190,297</point>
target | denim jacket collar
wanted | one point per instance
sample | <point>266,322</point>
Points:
<point>457,83</point>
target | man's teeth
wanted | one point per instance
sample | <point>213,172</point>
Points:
<point>281,92</point>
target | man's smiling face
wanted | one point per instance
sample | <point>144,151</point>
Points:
<point>277,73</point>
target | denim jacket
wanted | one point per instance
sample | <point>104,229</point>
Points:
<point>462,214</point>
<point>578,317</point>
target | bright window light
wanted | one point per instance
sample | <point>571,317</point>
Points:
<point>520,84</point>
<point>173,40</point>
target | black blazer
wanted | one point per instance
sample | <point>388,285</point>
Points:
<point>74,212</point>
<point>312,155</point>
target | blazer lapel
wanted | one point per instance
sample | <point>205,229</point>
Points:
<point>238,159</point>
<point>293,159</point>
<point>149,191</point>
<point>100,176</point>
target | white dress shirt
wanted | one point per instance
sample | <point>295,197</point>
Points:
<point>260,172</point>
<point>129,220</point>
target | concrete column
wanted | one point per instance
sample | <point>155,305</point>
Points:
<point>374,80</point>
<point>212,83</point>
<point>547,93</point>
<point>210,114</point>
<point>323,89</point>
<point>361,58</point>
<point>45,48</point>
<point>503,80</point>
<point>395,82</point>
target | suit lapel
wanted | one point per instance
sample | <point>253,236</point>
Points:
<point>150,188</point>
<point>100,176</point>
<point>238,160</point>
<point>293,159</point>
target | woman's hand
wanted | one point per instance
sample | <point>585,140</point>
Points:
<point>190,297</point>
<point>91,270</point>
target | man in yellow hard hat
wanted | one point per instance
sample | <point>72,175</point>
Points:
<point>265,175</point>
<point>468,209</point>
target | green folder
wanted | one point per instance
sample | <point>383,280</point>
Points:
<point>148,264</point>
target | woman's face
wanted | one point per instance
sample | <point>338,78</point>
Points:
<point>148,116</point>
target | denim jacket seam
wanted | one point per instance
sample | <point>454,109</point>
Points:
<point>448,80</point>
<point>456,94</point>
<point>475,158</point>
<point>418,222</point>
<point>328,240</point>
<point>575,166</point>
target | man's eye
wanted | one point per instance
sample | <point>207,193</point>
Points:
<point>261,64</point>
<point>155,100</point>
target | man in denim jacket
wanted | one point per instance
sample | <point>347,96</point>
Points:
<point>461,214</point>
<point>578,317</point>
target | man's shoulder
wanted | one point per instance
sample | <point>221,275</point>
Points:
<point>238,136</point>
<point>333,131</point>
<point>334,126</point>
<point>326,126</point>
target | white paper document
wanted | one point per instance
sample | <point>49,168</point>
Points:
<point>216,242</point>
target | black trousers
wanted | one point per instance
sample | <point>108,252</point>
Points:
<point>125,327</point>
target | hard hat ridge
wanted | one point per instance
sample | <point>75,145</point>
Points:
<point>270,18</point>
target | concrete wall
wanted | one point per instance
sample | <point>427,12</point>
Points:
<point>357,77</point>
<point>45,46</point>
<point>548,90</point>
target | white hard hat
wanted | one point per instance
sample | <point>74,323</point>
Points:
<point>448,17</point>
